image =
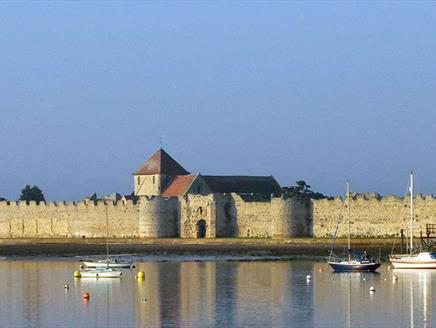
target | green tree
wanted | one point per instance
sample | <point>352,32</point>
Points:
<point>302,190</point>
<point>32,193</point>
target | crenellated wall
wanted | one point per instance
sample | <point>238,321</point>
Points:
<point>372,215</point>
<point>223,215</point>
<point>59,220</point>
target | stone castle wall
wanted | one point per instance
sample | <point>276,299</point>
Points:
<point>158,217</point>
<point>194,208</point>
<point>290,217</point>
<point>224,215</point>
<point>228,215</point>
<point>252,217</point>
<point>372,216</point>
<point>65,220</point>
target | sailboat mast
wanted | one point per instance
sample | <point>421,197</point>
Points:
<point>107,235</point>
<point>411,212</point>
<point>348,215</point>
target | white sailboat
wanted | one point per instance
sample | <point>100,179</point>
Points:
<point>103,268</point>
<point>413,260</point>
<point>108,262</point>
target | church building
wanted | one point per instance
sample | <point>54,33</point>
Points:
<point>161,175</point>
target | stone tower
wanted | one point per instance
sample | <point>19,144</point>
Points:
<point>156,173</point>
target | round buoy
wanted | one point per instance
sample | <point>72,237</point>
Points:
<point>86,296</point>
<point>394,278</point>
<point>77,274</point>
<point>140,275</point>
<point>364,279</point>
<point>66,286</point>
<point>371,289</point>
<point>308,277</point>
<point>385,279</point>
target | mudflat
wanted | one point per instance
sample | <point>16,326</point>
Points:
<point>176,246</point>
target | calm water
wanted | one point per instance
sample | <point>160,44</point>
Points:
<point>215,294</point>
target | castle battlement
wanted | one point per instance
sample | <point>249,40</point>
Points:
<point>170,202</point>
<point>67,204</point>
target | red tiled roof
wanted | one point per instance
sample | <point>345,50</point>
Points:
<point>179,186</point>
<point>161,163</point>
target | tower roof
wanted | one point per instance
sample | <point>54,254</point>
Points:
<point>161,163</point>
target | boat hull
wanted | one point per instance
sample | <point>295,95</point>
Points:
<point>107,265</point>
<point>403,264</point>
<point>423,260</point>
<point>354,267</point>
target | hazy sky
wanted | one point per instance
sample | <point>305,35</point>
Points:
<point>315,91</point>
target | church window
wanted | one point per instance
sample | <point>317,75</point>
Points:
<point>154,179</point>
<point>198,189</point>
<point>139,181</point>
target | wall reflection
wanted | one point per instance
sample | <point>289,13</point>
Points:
<point>214,294</point>
<point>219,294</point>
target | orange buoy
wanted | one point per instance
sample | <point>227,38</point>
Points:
<point>86,296</point>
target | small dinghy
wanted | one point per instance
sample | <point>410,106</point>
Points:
<point>100,273</point>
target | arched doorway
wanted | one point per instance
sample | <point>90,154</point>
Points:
<point>201,229</point>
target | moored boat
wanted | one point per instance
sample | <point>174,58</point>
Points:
<point>422,260</point>
<point>354,264</point>
<point>108,263</point>
<point>353,261</point>
<point>413,260</point>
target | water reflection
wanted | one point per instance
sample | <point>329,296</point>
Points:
<point>214,294</point>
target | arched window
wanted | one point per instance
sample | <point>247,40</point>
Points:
<point>139,181</point>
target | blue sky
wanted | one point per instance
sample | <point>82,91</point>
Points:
<point>319,91</point>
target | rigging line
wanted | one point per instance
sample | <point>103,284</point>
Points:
<point>336,229</point>
<point>393,244</point>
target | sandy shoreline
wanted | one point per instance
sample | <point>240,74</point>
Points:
<point>227,246</point>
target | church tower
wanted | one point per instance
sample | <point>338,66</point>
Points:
<point>155,175</point>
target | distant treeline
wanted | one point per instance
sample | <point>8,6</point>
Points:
<point>302,190</point>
